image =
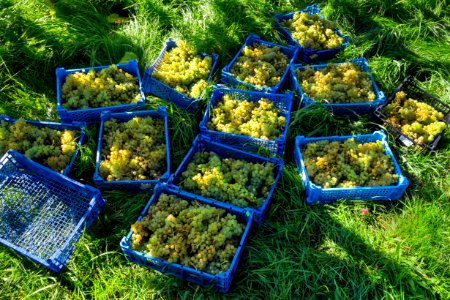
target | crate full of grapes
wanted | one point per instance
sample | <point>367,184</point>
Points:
<point>343,88</point>
<point>318,38</point>
<point>180,74</point>
<point>83,94</point>
<point>133,150</point>
<point>43,213</point>
<point>51,144</point>
<point>189,236</point>
<point>360,167</point>
<point>414,116</point>
<point>248,120</point>
<point>259,65</point>
<point>222,173</point>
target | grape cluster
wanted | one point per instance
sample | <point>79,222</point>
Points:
<point>50,147</point>
<point>260,65</point>
<point>337,83</point>
<point>235,181</point>
<point>348,164</point>
<point>257,119</point>
<point>133,150</point>
<point>417,120</point>
<point>184,70</point>
<point>192,234</point>
<point>313,32</point>
<point>111,86</point>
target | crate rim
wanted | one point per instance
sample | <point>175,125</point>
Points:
<point>257,39</point>
<point>161,111</point>
<point>288,96</point>
<point>402,180</point>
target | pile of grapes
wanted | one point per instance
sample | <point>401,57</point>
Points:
<point>310,31</point>
<point>260,65</point>
<point>337,83</point>
<point>192,234</point>
<point>133,150</point>
<point>111,86</point>
<point>417,120</point>
<point>184,70</point>
<point>257,119</point>
<point>348,164</point>
<point>50,147</point>
<point>235,181</point>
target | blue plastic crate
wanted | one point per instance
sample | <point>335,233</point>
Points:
<point>76,126</point>
<point>340,109</point>
<point>228,78</point>
<point>244,142</point>
<point>203,143</point>
<point>100,182</point>
<point>43,213</point>
<point>307,54</point>
<point>318,195</point>
<point>412,89</point>
<point>163,91</point>
<point>93,114</point>
<point>219,282</point>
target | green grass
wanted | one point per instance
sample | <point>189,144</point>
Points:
<point>400,250</point>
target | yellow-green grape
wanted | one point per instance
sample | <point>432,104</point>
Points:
<point>133,150</point>
<point>235,181</point>
<point>348,164</point>
<point>259,119</point>
<point>417,120</point>
<point>184,70</point>
<point>192,234</point>
<point>312,32</point>
<point>50,147</point>
<point>111,86</point>
<point>260,65</point>
<point>337,83</point>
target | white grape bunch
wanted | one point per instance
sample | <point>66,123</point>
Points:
<point>183,69</point>
<point>417,120</point>
<point>133,150</point>
<point>313,32</point>
<point>188,233</point>
<point>111,86</point>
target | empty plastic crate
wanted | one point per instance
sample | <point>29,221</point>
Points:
<point>340,109</point>
<point>101,182</point>
<point>219,282</point>
<point>43,213</point>
<point>76,126</point>
<point>163,91</point>
<point>93,114</point>
<point>410,86</point>
<point>317,195</point>
<point>245,142</point>
<point>307,54</point>
<point>204,144</point>
<point>230,79</point>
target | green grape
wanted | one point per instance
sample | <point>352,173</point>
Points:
<point>133,150</point>
<point>256,119</point>
<point>111,86</point>
<point>235,181</point>
<point>50,147</point>
<point>260,65</point>
<point>337,83</point>
<point>417,120</point>
<point>348,164</point>
<point>192,234</point>
<point>184,70</point>
<point>312,32</point>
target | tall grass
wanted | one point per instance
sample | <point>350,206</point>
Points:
<point>399,250</point>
